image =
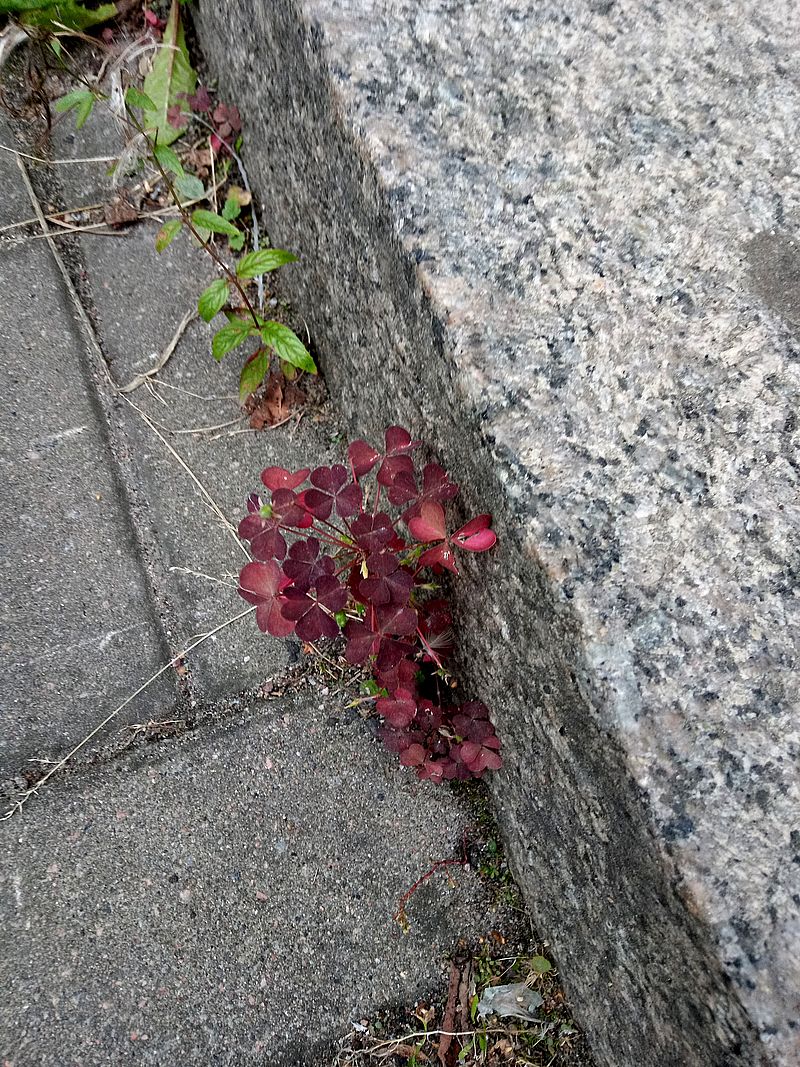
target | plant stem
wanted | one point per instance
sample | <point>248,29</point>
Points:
<point>187,221</point>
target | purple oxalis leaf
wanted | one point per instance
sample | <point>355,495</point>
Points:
<point>387,581</point>
<point>402,634</point>
<point>304,565</point>
<point>262,584</point>
<point>312,611</point>
<point>332,490</point>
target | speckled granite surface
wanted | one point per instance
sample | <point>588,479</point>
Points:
<point>560,240</point>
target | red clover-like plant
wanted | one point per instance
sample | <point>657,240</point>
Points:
<point>357,550</point>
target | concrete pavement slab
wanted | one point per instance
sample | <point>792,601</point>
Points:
<point>140,297</point>
<point>227,897</point>
<point>78,627</point>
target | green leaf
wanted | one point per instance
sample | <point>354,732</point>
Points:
<point>230,336</point>
<point>189,187</point>
<point>79,99</point>
<point>47,13</point>
<point>288,346</point>
<point>171,74</point>
<point>236,241</point>
<point>167,233</point>
<point>168,158</point>
<point>253,373</point>
<point>136,98</point>
<point>210,220</point>
<point>232,209</point>
<point>55,44</point>
<point>541,965</point>
<point>213,300</point>
<point>255,263</point>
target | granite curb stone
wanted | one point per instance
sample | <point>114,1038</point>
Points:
<point>546,239</point>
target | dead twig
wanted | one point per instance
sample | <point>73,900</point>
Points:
<point>188,392</point>
<point>161,362</point>
<point>95,228</point>
<point>53,217</point>
<point>208,497</point>
<point>34,789</point>
<point>210,429</point>
<point>209,577</point>
<point>57,162</point>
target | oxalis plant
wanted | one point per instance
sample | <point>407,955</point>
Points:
<point>358,550</point>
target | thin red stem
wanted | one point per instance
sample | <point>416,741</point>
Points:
<point>429,650</point>
<point>400,914</point>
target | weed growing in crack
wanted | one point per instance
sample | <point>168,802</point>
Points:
<point>364,561</point>
<point>157,112</point>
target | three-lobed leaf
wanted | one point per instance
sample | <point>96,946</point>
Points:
<point>288,346</point>
<point>265,259</point>
<point>213,299</point>
<point>371,589</point>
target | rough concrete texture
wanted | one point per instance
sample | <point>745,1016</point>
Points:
<point>556,240</point>
<point>224,896</point>
<point>139,298</point>
<point>78,628</point>
<point>227,898</point>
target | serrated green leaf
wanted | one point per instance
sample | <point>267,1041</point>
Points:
<point>136,98</point>
<point>70,100</point>
<point>210,220</point>
<point>253,373</point>
<point>189,187</point>
<point>232,209</point>
<point>79,99</point>
<point>288,346</point>
<point>172,74</point>
<point>213,300</point>
<point>167,233</point>
<point>168,158</point>
<point>266,259</point>
<point>230,336</point>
